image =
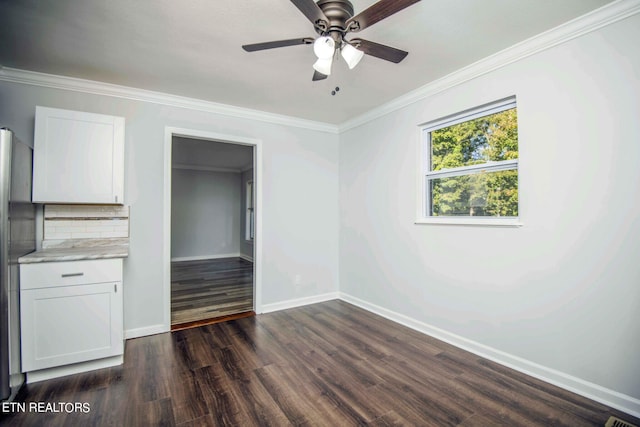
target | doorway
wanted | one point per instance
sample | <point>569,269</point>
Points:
<point>212,226</point>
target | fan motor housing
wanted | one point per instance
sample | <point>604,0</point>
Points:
<point>338,12</point>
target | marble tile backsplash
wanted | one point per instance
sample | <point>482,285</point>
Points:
<point>85,222</point>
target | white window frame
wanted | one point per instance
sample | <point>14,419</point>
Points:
<point>425,174</point>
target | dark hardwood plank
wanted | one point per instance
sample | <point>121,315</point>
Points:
<point>329,364</point>
<point>155,413</point>
<point>208,289</point>
<point>224,409</point>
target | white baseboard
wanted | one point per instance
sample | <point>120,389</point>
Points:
<point>143,332</point>
<point>267,308</point>
<point>587,389</point>
<point>299,302</point>
<point>203,257</point>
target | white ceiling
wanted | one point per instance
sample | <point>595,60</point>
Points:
<point>193,48</point>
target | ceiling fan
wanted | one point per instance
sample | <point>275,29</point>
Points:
<point>333,20</point>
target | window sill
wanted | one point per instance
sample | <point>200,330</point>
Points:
<point>485,222</point>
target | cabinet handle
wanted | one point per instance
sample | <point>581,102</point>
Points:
<point>115,288</point>
<point>72,274</point>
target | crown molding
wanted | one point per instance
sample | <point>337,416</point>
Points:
<point>107,89</point>
<point>601,17</point>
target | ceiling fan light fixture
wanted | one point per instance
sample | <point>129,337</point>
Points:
<point>351,55</point>
<point>324,47</point>
<point>323,66</point>
<point>332,20</point>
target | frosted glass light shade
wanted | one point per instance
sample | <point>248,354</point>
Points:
<point>324,47</point>
<point>323,66</point>
<point>351,55</point>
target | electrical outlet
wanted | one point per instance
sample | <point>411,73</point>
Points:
<point>298,279</point>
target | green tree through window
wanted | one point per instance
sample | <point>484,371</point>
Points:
<point>473,167</point>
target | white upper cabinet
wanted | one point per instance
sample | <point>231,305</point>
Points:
<point>78,157</point>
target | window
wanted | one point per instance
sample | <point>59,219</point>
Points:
<point>470,167</point>
<point>249,215</point>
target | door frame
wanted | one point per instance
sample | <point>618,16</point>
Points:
<point>169,133</point>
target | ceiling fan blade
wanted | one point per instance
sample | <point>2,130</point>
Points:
<point>381,51</point>
<point>313,13</point>
<point>377,12</point>
<point>318,76</point>
<point>279,43</point>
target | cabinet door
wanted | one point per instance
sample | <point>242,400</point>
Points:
<point>70,324</point>
<point>78,157</point>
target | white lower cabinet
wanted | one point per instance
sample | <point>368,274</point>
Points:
<point>71,312</point>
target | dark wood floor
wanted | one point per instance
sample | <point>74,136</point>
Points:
<point>328,364</point>
<point>210,288</point>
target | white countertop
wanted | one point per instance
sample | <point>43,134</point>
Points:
<point>79,250</point>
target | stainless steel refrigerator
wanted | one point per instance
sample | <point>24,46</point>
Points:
<point>17,238</point>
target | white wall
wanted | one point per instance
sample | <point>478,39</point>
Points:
<point>299,189</point>
<point>205,214</point>
<point>563,291</point>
